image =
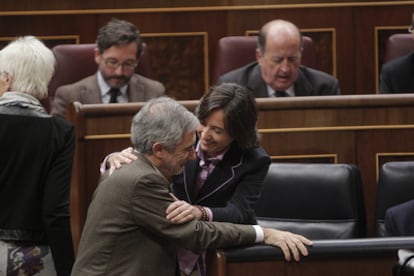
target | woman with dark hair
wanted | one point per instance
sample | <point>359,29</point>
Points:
<point>230,161</point>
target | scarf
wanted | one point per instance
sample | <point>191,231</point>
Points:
<point>18,103</point>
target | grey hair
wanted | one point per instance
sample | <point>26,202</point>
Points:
<point>161,120</point>
<point>30,64</point>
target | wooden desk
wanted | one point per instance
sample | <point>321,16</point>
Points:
<point>366,130</point>
<point>356,257</point>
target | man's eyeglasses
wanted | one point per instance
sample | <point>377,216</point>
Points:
<point>113,64</point>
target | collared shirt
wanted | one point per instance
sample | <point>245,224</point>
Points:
<point>188,260</point>
<point>104,89</point>
<point>206,165</point>
<point>271,92</point>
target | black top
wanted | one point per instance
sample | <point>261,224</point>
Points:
<point>231,189</point>
<point>397,76</point>
<point>36,165</point>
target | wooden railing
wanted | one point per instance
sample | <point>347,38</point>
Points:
<point>356,257</point>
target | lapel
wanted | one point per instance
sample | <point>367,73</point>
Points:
<point>256,83</point>
<point>136,89</point>
<point>223,174</point>
<point>190,173</point>
<point>90,92</point>
<point>303,87</point>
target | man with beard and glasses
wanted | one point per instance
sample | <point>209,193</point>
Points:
<point>119,48</point>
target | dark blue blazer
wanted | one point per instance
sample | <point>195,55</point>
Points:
<point>231,189</point>
<point>310,82</point>
<point>397,76</point>
<point>399,220</point>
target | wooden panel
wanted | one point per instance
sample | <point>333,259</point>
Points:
<point>325,48</point>
<point>49,41</point>
<point>379,266</point>
<point>182,80</point>
<point>25,5</point>
<point>381,36</point>
<point>265,268</point>
<point>311,146</point>
<point>357,257</point>
<point>349,35</point>
<point>342,267</point>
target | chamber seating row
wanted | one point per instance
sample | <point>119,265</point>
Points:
<point>326,201</point>
<point>76,61</point>
<point>319,201</point>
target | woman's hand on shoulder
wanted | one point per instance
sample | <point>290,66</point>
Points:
<point>117,159</point>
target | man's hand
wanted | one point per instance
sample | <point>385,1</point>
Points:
<point>117,159</point>
<point>181,211</point>
<point>288,242</point>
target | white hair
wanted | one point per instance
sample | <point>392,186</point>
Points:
<point>29,64</point>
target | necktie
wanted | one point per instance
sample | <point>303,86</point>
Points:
<point>189,261</point>
<point>281,94</point>
<point>206,167</point>
<point>114,93</point>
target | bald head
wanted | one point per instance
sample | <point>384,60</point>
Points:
<point>279,54</point>
<point>280,32</point>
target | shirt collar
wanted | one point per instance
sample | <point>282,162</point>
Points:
<point>104,87</point>
<point>290,91</point>
<point>214,160</point>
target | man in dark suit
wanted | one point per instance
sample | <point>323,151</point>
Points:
<point>278,71</point>
<point>399,219</point>
<point>119,47</point>
<point>127,232</point>
<point>397,75</point>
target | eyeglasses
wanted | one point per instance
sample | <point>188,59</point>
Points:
<point>113,64</point>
